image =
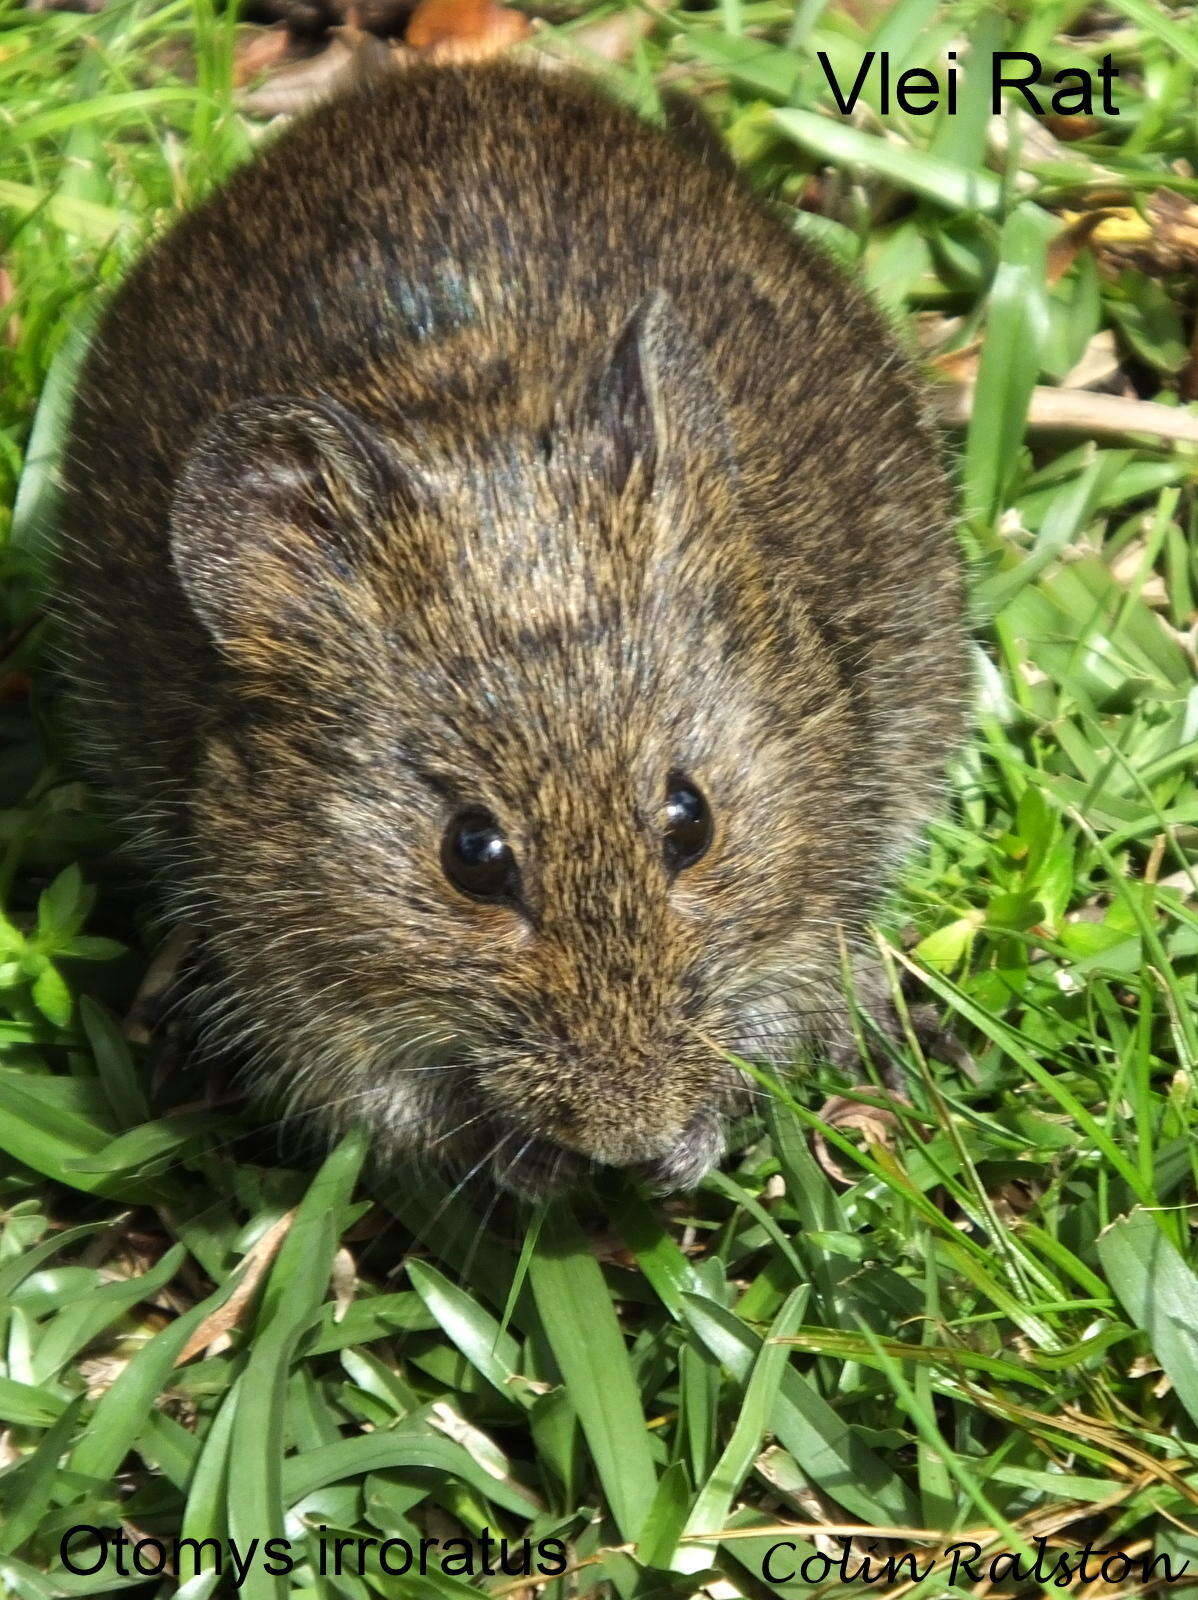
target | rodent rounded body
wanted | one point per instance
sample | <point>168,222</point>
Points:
<point>477,447</point>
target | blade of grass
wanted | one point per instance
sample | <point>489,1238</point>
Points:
<point>581,1327</point>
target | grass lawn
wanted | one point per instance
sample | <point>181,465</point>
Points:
<point>978,1317</point>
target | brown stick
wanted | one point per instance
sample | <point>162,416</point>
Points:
<point>1080,411</point>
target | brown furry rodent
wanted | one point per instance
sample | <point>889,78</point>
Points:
<point>512,588</point>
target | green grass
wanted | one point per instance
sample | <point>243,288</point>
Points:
<point>993,1323</point>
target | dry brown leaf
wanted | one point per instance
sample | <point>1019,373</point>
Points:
<point>877,1123</point>
<point>933,331</point>
<point>344,1282</point>
<point>1187,638</point>
<point>774,1467</point>
<point>610,1249</point>
<point>1127,568</point>
<point>305,83</point>
<point>450,1421</point>
<point>1069,127</point>
<point>1098,366</point>
<point>10,326</point>
<point>1012,1201</point>
<point>465,30</point>
<point>1164,240</point>
<point>260,51</point>
<point>612,38</point>
<point>1036,144</point>
<point>1184,879</point>
<point>226,1317</point>
<point>1156,855</point>
<point>959,366</point>
<point>1072,240</point>
<point>83,7</point>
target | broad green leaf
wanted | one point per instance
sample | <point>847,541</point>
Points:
<point>77,1325</point>
<point>290,1304</point>
<point>375,1452</point>
<point>581,1327</point>
<point>474,1331</point>
<point>956,188</point>
<point>25,1493</point>
<point>1159,1292</point>
<point>830,1451</point>
<point>713,1503</point>
<point>115,1065</point>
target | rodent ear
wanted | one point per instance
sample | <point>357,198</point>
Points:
<point>268,515</point>
<point>657,406</point>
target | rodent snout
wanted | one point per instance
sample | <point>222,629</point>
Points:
<point>689,1158</point>
<point>617,1143</point>
<point>664,1125</point>
<point>544,1166</point>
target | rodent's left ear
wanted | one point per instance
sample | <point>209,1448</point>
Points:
<point>657,405</point>
<point>270,512</point>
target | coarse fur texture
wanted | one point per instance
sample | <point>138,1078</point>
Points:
<point>477,446</point>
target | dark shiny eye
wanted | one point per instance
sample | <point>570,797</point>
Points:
<point>477,859</point>
<point>688,824</point>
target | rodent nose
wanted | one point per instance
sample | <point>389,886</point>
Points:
<point>674,1157</point>
<point>633,1106</point>
<point>690,1158</point>
<point>545,1167</point>
<point>619,1146</point>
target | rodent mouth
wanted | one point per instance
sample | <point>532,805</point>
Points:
<point>543,1168</point>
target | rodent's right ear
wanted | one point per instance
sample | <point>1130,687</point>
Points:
<point>656,405</point>
<point>270,516</point>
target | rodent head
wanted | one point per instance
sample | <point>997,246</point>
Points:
<point>523,761</point>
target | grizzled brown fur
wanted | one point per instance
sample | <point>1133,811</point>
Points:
<point>477,446</point>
